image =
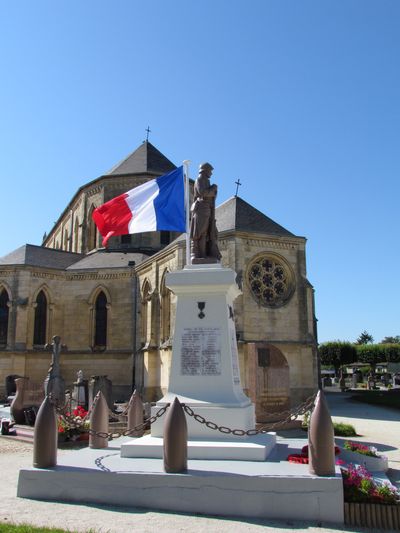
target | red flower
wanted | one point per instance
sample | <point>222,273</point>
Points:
<point>304,450</point>
<point>298,458</point>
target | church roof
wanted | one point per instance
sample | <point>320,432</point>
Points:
<point>144,159</point>
<point>236,214</point>
<point>103,259</point>
<point>40,256</point>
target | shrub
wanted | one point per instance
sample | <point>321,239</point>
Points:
<point>371,354</point>
<point>344,430</point>
<point>392,352</point>
<point>337,353</point>
<point>340,429</point>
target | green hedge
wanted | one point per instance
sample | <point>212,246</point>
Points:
<point>378,353</point>
<point>337,353</point>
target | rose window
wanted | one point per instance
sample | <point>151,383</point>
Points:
<point>271,281</point>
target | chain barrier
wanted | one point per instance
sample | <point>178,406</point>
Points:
<point>291,416</point>
<point>128,432</point>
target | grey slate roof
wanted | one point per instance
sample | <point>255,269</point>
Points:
<point>237,214</point>
<point>40,256</point>
<point>102,259</point>
<point>144,159</point>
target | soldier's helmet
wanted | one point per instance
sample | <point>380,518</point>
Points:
<point>206,167</point>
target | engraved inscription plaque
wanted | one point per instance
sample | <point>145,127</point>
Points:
<point>201,352</point>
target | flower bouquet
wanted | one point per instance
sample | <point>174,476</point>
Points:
<point>73,426</point>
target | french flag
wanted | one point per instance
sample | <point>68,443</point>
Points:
<point>156,205</point>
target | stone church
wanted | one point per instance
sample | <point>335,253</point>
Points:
<point>115,315</point>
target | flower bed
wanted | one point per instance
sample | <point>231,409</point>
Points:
<point>367,502</point>
<point>359,486</point>
<point>367,456</point>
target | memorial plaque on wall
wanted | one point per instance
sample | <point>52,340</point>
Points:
<point>272,389</point>
<point>201,352</point>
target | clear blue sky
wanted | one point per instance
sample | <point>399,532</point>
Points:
<point>298,99</point>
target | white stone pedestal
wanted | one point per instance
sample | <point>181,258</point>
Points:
<point>205,371</point>
<point>205,367</point>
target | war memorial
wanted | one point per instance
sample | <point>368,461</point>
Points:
<point>205,452</point>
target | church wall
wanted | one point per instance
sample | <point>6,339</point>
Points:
<point>156,360</point>
<point>70,315</point>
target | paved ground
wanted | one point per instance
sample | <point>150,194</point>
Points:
<point>377,425</point>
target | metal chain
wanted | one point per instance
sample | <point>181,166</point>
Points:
<point>292,415</point>
<point>130,431</point>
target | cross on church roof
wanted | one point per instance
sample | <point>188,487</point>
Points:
<point>238,184</point>
<point>148,130</point>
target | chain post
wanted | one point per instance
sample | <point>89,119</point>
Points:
<point>98,436</point>
<point>135,414</point>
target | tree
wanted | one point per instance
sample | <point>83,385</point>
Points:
<point>337,353</point>
<point>391,340</point>
<point>365,338</point>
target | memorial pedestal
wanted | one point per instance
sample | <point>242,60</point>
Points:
<point>205,366</point>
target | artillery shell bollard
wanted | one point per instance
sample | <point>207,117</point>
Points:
<point>175,439</point>
<point>321,441</point>
<point>45,436</point>
<point>99,422</point>
<point>135,414</point>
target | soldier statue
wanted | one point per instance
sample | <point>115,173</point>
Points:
<point>203,229</point>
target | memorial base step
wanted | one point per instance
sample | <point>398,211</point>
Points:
<point>255,448</point>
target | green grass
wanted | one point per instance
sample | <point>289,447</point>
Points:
<point>344,430</point>
<point>26,528</point>
<point>386,398</point>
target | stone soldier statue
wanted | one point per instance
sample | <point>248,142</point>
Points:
<point>203,230</point>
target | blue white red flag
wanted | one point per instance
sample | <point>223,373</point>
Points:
<point>156,205</point>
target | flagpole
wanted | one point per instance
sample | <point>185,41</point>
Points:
<point>187,210</point>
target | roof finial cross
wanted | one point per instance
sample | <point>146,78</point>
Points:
<point>238,184</point>
<point>148,130</point>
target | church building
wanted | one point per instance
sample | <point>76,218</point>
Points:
<point>115,315</point>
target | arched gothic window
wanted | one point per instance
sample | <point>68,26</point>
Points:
<point>165,311</point>
<point>40,325</point>
<point>145,312</point>
<point>93,232</point>
<point>76,235</point>
<point>4,311</point>
<point>100,320</point>
<point>66,243</point>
